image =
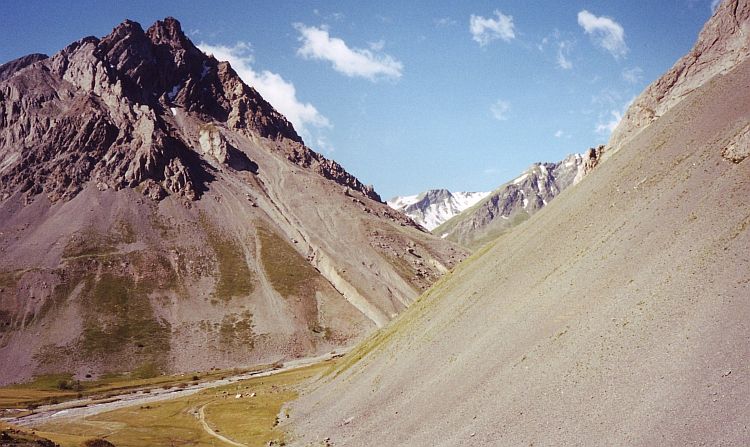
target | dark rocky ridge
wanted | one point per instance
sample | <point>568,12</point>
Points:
<point>9,68</point>
<point>99,110</point>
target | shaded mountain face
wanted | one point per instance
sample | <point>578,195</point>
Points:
<point>515,201</point>
<point>617,315</point>
<point>435,206</point>
<point>157,214</point>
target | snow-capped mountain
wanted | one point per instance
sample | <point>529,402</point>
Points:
<point>435,206</point>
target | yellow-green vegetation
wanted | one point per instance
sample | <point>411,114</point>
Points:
<point>11,436</point>
<point>114,291</point>
<point>235,278</point>
<point>119,316</point>
<point>292,276</point>
<point>90,242</point>
<point>492,234</point>
<point>237,330</point>
<point>289,273</point>
<point>247,420</point>
<point>51,388</point>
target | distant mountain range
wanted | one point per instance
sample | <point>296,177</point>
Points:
<point>435,206</point>
<point>473,218</point>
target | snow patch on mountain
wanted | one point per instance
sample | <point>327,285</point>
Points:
<point>433,207</point>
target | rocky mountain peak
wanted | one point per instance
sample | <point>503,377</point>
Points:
<point>103,110</point>
<point>434,195</point>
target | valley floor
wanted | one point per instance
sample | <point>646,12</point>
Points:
<point>236,411</point>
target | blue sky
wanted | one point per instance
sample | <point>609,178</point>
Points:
<point>415,95</point>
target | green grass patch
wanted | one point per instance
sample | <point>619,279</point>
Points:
<point>249,420</point>
<point>237,330</point>
<point>289,273</point>
<point>235,277</point>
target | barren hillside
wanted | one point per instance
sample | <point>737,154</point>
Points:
<point>617,315</point>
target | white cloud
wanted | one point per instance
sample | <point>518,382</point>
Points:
<point>563,49</point>
<point>559,134</point>
<point>318,44</point>
<point>500,109</point>
<point>276,90</point>
<point>605,32</point>
<point>632,75</point>
<point>324,145</point>
<point>714,5</point>
<point>485,29</point>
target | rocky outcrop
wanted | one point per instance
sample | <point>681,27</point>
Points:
<point>589,160</point>
<point>102,110</point>
<point>738,147</point>
<point>723,43</point>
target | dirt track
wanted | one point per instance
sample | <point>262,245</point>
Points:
<point>89,407</point>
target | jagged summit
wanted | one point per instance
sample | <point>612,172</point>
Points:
<point>105,110</point>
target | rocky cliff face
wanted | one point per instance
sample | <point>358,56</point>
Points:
<point>158,214</point>
<point>435,206</point>
<point>515,201</point>
<point>723,43</point>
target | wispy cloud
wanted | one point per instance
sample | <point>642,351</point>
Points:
<point>609,121</point>
<point>608,125</point>
<point>560,133</point>
<point>318,44</point>
<point>500,109</point>
<point>632,75</point>
<point>444,21</point>
<point>336,16</point>
<point>486,29</point>
<point>377,45</point>
<point>563,51</point>
<point>562,47</point>
<point>605,32</point>
<point>275,89</point>
<point>714,5</point>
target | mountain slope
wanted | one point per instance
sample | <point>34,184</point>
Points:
<point>157,214</point>
<point>435,206</point>
<point>514,202</point>
<point>618,315</point>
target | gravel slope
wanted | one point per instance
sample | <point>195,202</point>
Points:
<point>618,315</point>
